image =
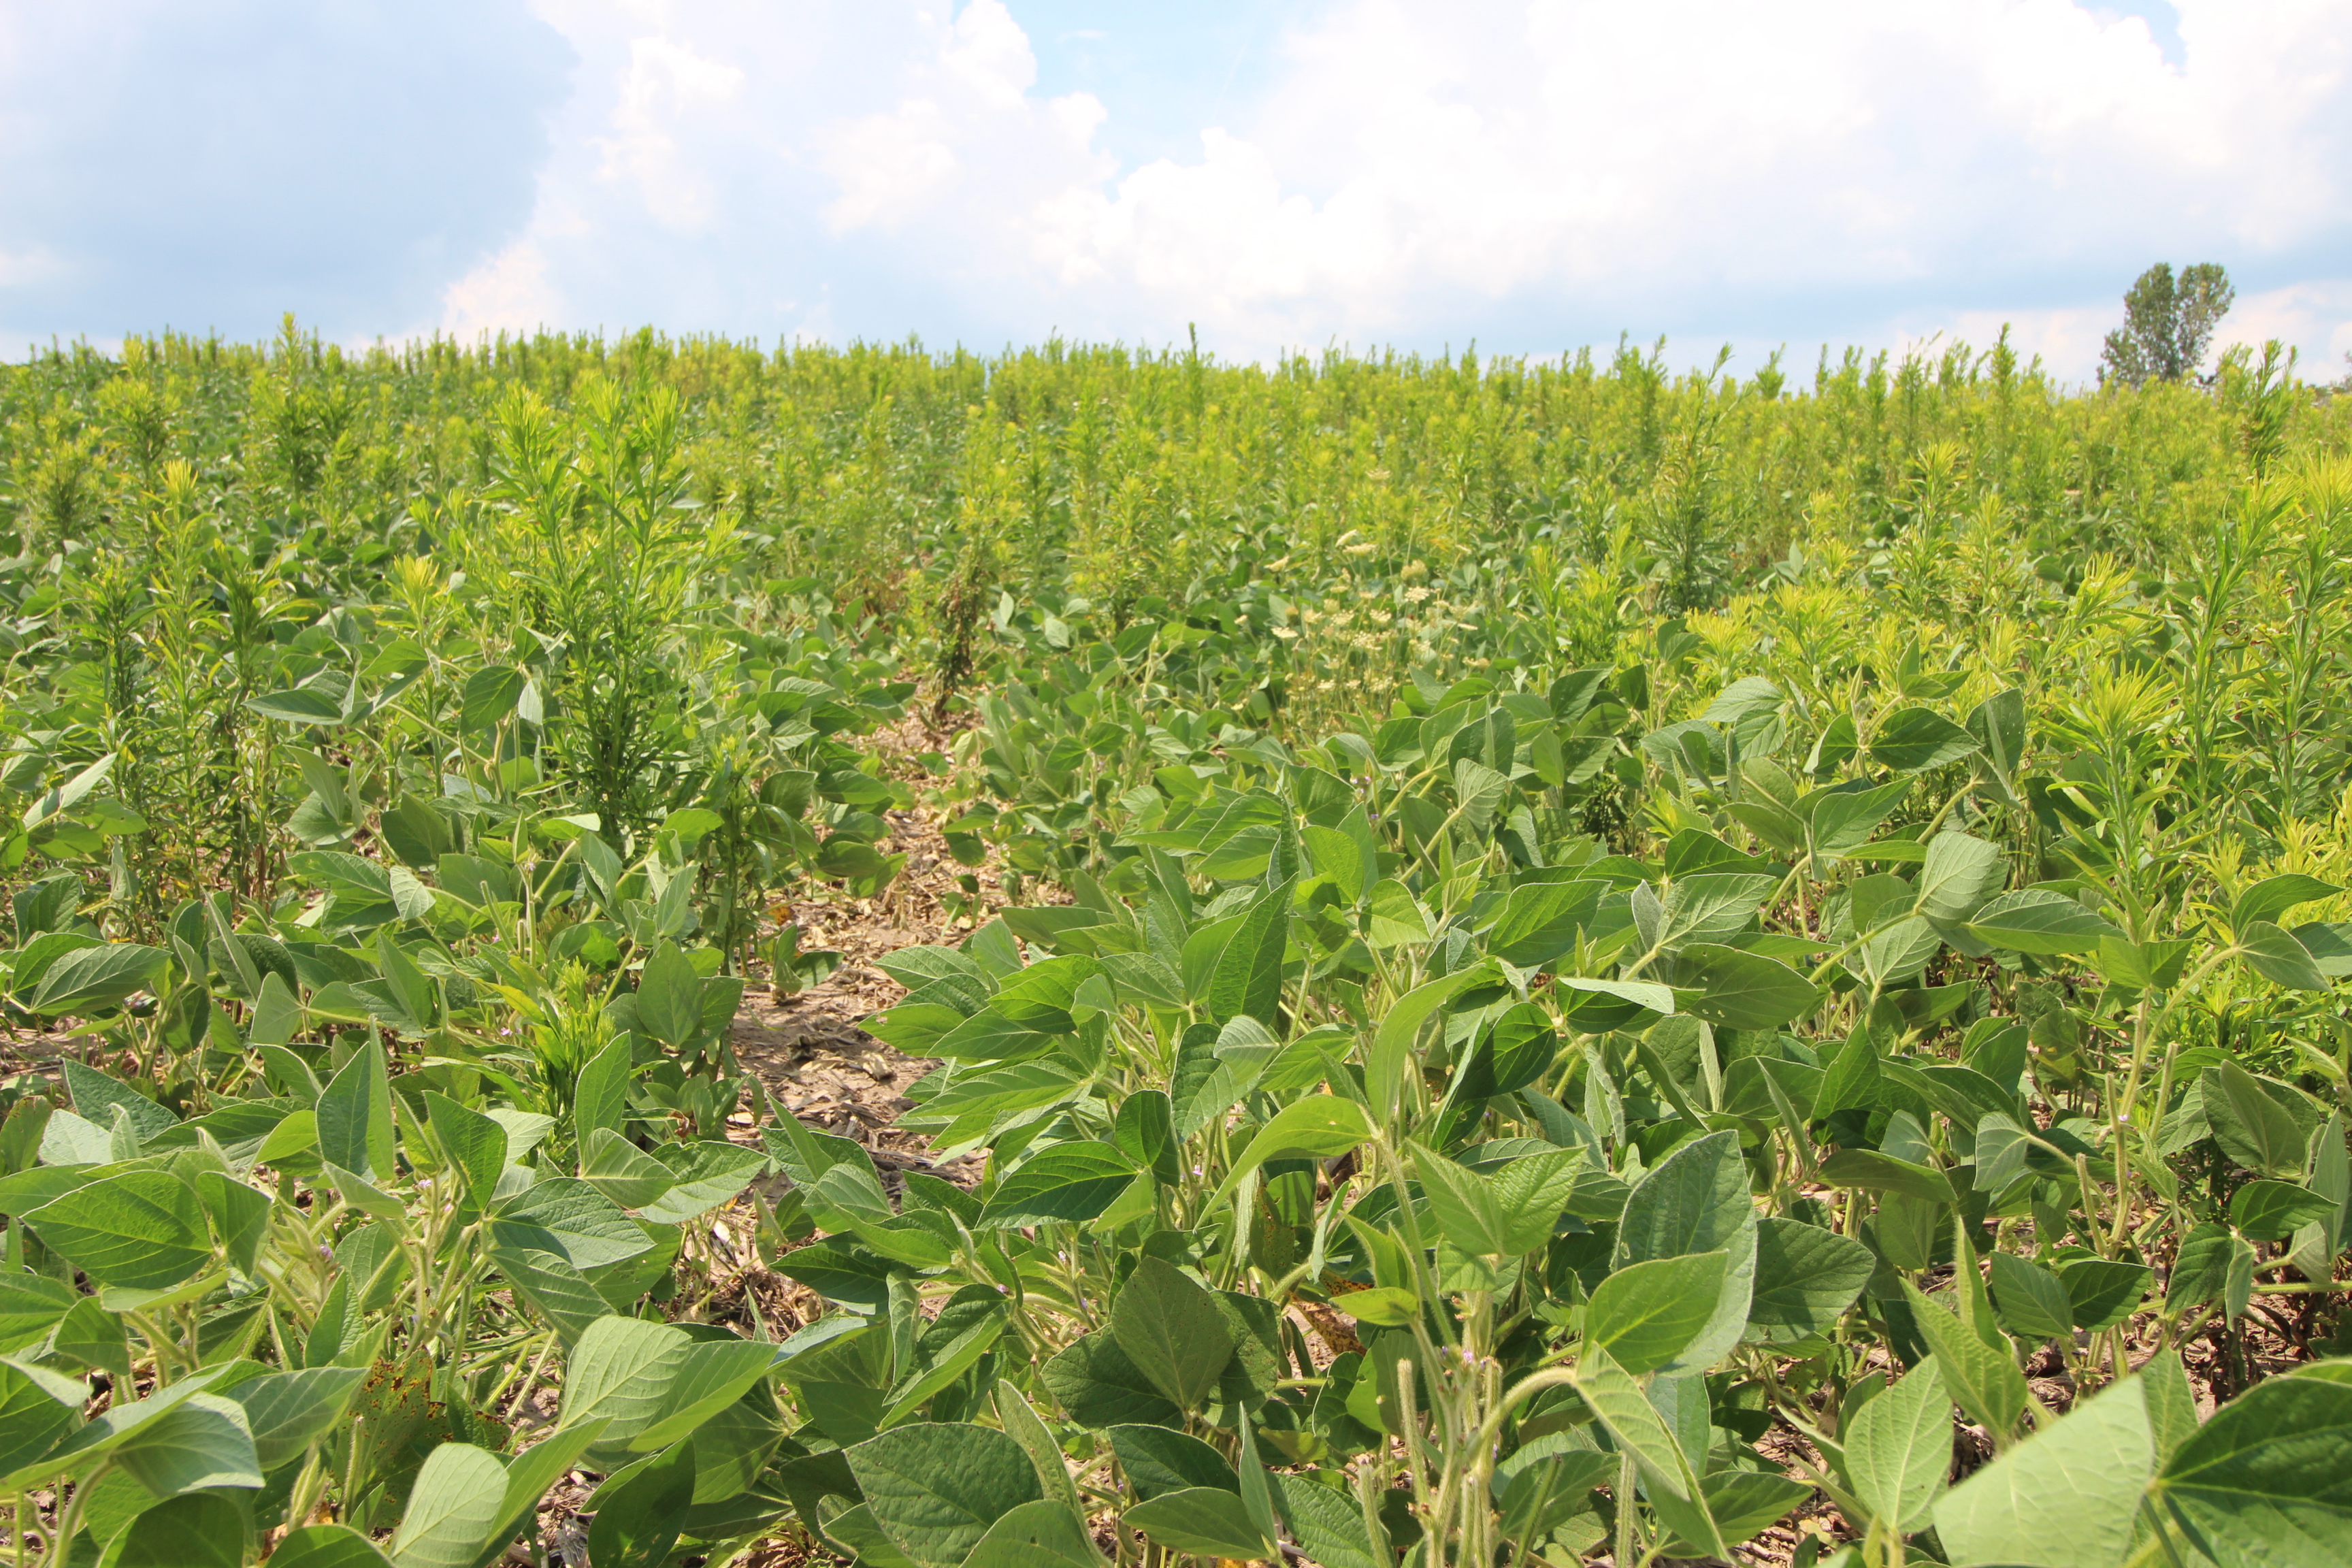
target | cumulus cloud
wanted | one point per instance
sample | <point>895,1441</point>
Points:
<point>213,166</point>
<point>1532,174</point>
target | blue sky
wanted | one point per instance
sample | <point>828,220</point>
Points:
<point>1531,175</point>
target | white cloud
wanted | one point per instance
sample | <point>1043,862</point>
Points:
<point>1535,172</point>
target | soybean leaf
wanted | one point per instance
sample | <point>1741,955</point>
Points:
<point>1385,1066</point>
<point>2252,1126</point>
<point>2279,958</point>
<point>453,1509</point>
<point>1898,1447</point>
<point>1696,1201</point>
<point>1326,1523</point>
<point>326,1546</point>
<point>1145,1132</point>
<point>1156,1460</point>
<point>935,1488</point>
<point>2036,920</point>
<point>641,1509</point>
<point>202,1530</point>
<point>2031,1301</point>
<point>1042,1534</point>
<point>2105,1291</point>
<point>476,1145</point>
<point>2273,1211</point>
<point>288,1411</point>
<point>1872,1170</point>
<point>2213,1264</point>
<point>202,1441</point>
<point>1171,1329</point>
<point>1320,1128</point>
<point>2066,1497</point>
<point>1744,990</point>
<point>354,1117</point>
<point>1099,1385</point>
<point>1646,1314</point>
<point>2274,896</point>
<point>1914,739</point>
<point>1204,1521</point>
<point>1066,1181</point>
<point>1806,1277</point>
<point>2269,1477</point>
<point>1021,1423</point>
<point>1668,1474</point>
<point>91,979</point>
<point>142,1230</point>
<point>1984,1381</point>
<point>571,1219</point>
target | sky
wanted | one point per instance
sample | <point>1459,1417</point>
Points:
<point>1526,175</point>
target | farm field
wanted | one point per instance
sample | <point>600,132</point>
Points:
<point>641,952</point>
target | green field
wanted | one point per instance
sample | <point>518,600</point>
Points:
<point>1506,924</point>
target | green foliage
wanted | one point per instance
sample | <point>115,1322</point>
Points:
<point>1633,908</point>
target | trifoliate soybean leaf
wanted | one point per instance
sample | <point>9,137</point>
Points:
<point>1157,1460</point>
<point>1540,921</point>
<point>202,1441</point>
<point>2213,1263</point>
<point>452,1509</point>
<point>2269,1477</point>
<point>491,696</point>
<point>1391,1046</point>
<point>1982,1380</point>
<point>1898,1447</point>
<point>1744,990</point>
<point>2251,1123</point>
<point>641,1509</point>
<point>704,1174</point>
<point>1203,1521</point>
<point>354,1118</point>
<point>142,1230</point>
<point>2064,1497</point>
<point>1958,875</point>
<point>476,1145</point>
<point>2037,921</point>
<point>1841,819</point>
<point>2103,1291</point>
<point>1171,1329</point>
<point>30,1304</point>
<point>1646,1314</point>
<point>1806,1277</point>
<point>91,979</point>
<point>1098,1384</point>
<point>1318,1128</point>
<point>2273,1211</point>
<point>1325,1521</point>
<point>33,1416</point>
<point>2031,1301</point>
<point>937,1489</point>
<point>1042,1534</point>
<point>1913,740</point>
<point>1145,1133</point>
<point>239,1213</point>
<point>1696,1201</point>
<point>1872,1170</point>
<point>571,1219</point>
<point>2279,958</point>
<point>2274,896</point>
<point>288,1411</point>
<point>327,1546</point>
<point>1068,1181</point>
<point>96,1098</point>
<point>1247,978</point>
<point>1668,1476</point>
<point>203,1529</point>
